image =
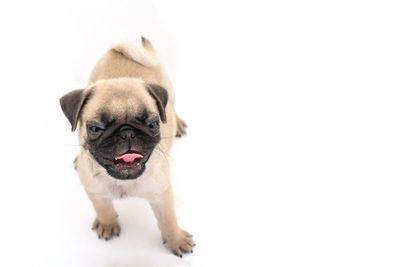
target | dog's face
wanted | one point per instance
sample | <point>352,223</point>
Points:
<point>119,123</point>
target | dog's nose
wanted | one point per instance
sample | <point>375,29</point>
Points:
<point>126,132</point>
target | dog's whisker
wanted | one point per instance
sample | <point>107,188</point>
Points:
<point>166,155</point>
<point>71,145</point>
<point>162,153</point>
<point>162,149</point>
<point>167,137</point>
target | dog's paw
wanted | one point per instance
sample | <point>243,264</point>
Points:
<point>180,243</point>
<point>106,230</point>
<point>181,124</point>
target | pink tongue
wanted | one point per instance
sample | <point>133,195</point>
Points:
<point>129,157</point>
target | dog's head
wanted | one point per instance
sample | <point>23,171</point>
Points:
<point>119,122</point>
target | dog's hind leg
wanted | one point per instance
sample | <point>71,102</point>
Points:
<point>181,126</point>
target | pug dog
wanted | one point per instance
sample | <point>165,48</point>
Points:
<point>126,125</point>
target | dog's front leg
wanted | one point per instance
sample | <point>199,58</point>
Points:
<point>178,240</point>
<point>106,221</point>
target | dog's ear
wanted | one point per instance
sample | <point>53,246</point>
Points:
<point>72,104</point>
<point>161,96</point>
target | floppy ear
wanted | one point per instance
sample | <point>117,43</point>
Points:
<point>161,97</point>
<point>72,104</point>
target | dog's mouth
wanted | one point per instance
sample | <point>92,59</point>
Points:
<point>129,159</point>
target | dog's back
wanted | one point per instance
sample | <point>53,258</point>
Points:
<point>132,59</point>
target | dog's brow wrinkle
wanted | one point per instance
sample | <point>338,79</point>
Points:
<point>145,115</point>
<point>106,118</point>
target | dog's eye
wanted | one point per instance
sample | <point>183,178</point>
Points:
<point>154,125</point>
<point>95,130</point>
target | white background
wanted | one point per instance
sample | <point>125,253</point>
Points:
<point>292,153</point>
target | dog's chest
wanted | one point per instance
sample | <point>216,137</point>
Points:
<point>103,185</point>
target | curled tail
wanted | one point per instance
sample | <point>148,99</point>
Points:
<point>141,51</point>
